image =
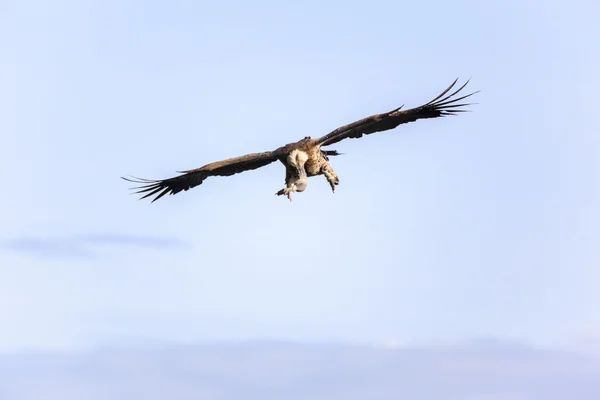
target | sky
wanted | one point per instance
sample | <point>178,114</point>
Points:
<point>480,225</point>
<point>273,371</point>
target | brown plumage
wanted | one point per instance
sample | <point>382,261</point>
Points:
<point>305,158</point>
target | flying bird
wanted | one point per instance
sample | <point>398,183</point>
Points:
<point>306,157</point>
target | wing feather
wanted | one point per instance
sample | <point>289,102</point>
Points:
<point>441,106</point>
<point>194,177</point>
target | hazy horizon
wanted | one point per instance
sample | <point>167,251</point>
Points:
<point>274,370</point>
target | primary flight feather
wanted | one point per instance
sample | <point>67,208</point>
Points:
<point>306,157</point>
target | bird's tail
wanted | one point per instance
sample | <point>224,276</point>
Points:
<point>331,153</point>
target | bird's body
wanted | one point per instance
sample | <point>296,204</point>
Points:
<point>304,158</point>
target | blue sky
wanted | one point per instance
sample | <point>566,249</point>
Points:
<point>485,224</point>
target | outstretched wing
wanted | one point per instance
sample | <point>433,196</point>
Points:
<point>438,107</point>
<point>195,177</point>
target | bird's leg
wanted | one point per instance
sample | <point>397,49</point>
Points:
<point>286,191</point>
<point>331,176</point>
<point>296,178</point>
<point>294,185</point>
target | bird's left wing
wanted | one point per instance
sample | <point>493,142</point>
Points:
<point>195,177</point>
<point>441,106</point>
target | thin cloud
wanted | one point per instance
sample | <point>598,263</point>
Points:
<point>156,242</point>
<point>48,248</point>
<point>83,246</point>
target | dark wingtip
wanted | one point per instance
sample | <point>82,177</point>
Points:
<point>444,92</point>
<point>149,187</point>
<point>446,104</point>
<point>138,180</point>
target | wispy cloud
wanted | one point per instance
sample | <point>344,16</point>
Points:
<point>51,248</point>
<point>83,245</point>
<point>160,242</point>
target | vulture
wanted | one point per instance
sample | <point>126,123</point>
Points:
<point>306,157</point>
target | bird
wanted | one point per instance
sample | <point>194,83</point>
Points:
<point>306,157</point>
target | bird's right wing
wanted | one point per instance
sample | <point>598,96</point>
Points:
<point>195,177</point>
<point>442,105</point>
